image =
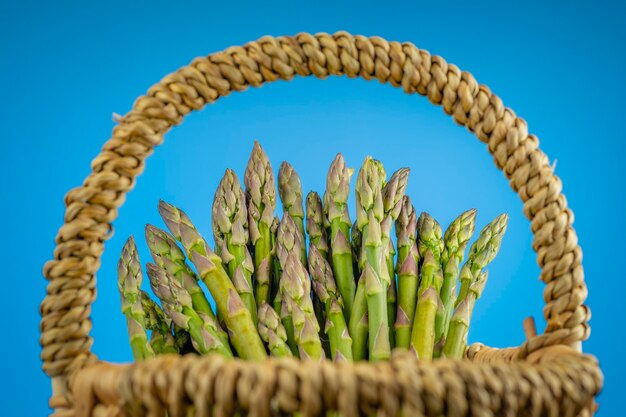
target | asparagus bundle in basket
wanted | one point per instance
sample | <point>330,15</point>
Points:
<point>338,300</point>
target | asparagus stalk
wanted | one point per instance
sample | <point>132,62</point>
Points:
<point>430,244</point>
<point>261,197</point>
<point>482,252</point>
<point>370,212</point>
<point>295,286</point>
<point>178,306</point>
<point>238,319</point>
<point>336,211</point>
<point>288,240</point>
<point>407,270</point>
<point>355,242</point>
<point>287,321</point>
<point>272,331</point>
<point>230,230</point>
<point>166,254</point>
<point>456,239</point>
<point>161,338</point>
<point>322,321</point>
<point>315,223</point>
<point>379,346</point>
<point>428,273</point>
<point>423,334</point>
<point>326,290</point>
<point>337,328</point>
<point>428,302</point>
<point>129,279</point>
<point>393,193</point>
<point>392,299</point>
<point>317,236</point>
<point>456,340</point>
<point>430,247</point>
<point>358,325</point>
<point>290,190</point>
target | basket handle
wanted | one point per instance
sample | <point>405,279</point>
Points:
<point>92,207</point>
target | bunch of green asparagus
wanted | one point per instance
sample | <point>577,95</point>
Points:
<point>355,294</point>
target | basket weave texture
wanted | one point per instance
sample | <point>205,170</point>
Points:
<point>545,376</point>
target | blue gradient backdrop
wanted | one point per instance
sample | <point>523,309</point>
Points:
<point>67,66</point>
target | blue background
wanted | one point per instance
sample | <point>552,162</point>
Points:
<point>67,66</point>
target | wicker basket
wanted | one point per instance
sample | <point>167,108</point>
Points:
<point>545,376</point>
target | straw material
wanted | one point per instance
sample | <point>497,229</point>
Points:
<point>206,385</point>
<point>503,384</point>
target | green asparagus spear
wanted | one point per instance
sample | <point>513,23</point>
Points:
<point>392,300</point>
<point>456,239</point>
<point>290,190</point>
<point>287,320</point>
<point>336,325</point>
<point>393,193</point>
<point>161,338</point>
<point>272,331</point>
<point>315,223</point>
<point>261,197</point>
<point>407,270</point>
<point>230,230</point>
<point>166,253</point>
<point>326,290</point>
<point>295,286</point>
<point>456,339</point>
<point>430,244</point>
<point>358,325</point>
<point>370,212</point>
<point>288,240</point>
<point>317,236</point>
<point>482,252</point>
<point>178,306</point>
<point>429,235</point>
<point>423,334</point>
<point>129,281</point>
<point>238,319</point>
<point>428,272</point>
<point>428,301</point>
<point>336,211</point>
<point>355,243</point>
